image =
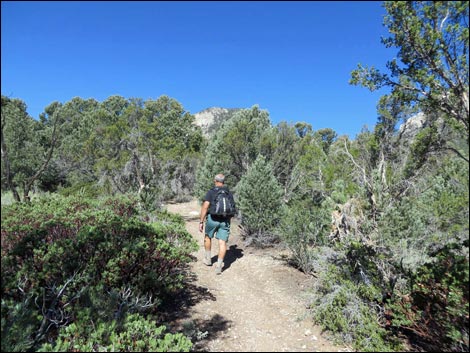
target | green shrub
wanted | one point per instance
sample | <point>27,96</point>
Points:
<point>349,310</point>
<point>135,334</point>
<point>426,234</point>
<point>259,202</point>
<point>434,304</point>
<point>301,229</point>
<point>83,189</point>
<point>62,257</point>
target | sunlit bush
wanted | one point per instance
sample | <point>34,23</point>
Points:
<point>62,257</point>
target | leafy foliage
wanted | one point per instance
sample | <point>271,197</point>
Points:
<point>134,334</point>
<point>432,38</point>
<point>343,311</point>
<point>150,148</point>
<point>302,228</point>
<point>434,305</point>
<point>63,258</point>
<point>259,201</point>
<point>381,221</point>
<point>26,152</point>
<point>233,149</point>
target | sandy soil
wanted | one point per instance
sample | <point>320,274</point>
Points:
<point>257,304</point>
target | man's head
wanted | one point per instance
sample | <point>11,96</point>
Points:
<point>219,180</point>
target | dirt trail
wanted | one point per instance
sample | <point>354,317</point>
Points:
<point>255,305</point>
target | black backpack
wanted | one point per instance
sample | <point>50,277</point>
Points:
<point>224,204</point>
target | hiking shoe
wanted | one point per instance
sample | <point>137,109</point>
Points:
<point>218,269</point>
<point>207,261</point>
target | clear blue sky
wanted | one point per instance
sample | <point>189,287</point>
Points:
<point>293,59</point>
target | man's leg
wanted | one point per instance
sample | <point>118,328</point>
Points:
<point>220,260</point>
<point>222,249</point>
<point>223,234</point>
<point>207,243</point>
<point>207,248</point>
<point>211,228</point>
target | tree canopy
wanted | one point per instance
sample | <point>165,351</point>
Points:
<point>431,71</point>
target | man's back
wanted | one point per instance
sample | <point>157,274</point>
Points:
<point>222,203</point>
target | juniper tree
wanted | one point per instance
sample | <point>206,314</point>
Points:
<point>259,201</point>
<point>432,70</point>
<point>27,145</point>
<point>234,148</point>
<point>147,146</point>
<point>280,146</point>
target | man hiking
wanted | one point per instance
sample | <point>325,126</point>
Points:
<point>217,209</point>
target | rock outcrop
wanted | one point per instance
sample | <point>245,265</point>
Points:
<point>210,119</point>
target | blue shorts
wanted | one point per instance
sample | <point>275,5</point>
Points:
<point>219,228</point>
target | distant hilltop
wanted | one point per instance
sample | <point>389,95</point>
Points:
<point>210,119</point>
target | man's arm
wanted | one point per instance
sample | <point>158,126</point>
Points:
<point>204,209</point>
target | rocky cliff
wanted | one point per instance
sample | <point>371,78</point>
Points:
<point>211,119</point>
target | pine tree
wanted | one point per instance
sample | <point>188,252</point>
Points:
<point>233,148</point>
<point>259,201</point>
